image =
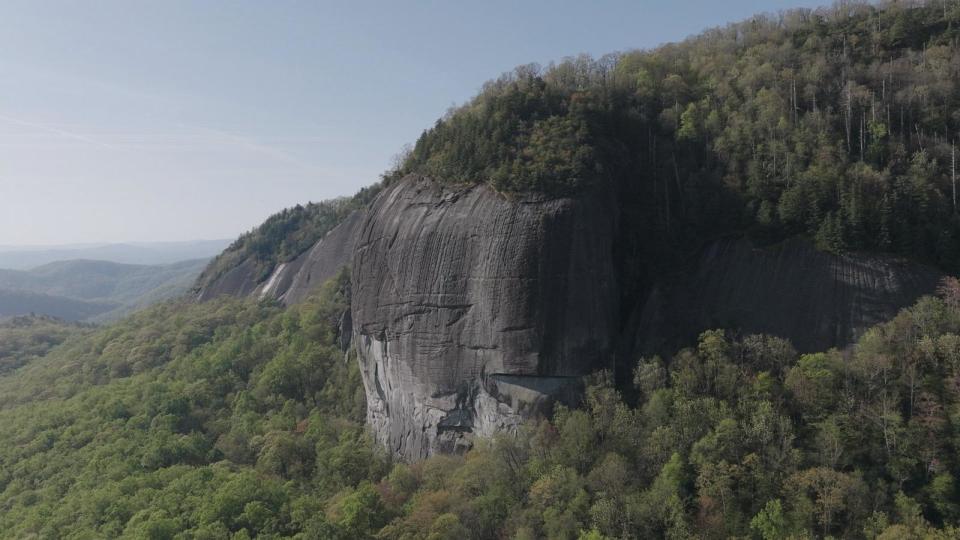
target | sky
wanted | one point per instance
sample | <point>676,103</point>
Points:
<point>144,120</point>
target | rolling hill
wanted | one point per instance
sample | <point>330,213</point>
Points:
<point>701,291</point>
<point>93,291</point>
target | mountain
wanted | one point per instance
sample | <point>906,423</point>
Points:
<point>476,309</point>
<point>93,291</point>
<point>233,417</point>
<point>281,240</point>
<point>792,176</point>
<point>143,253</point>
<point>14,303</point>
<point>701,291</point>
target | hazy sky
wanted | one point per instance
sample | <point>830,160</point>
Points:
<point>154,120</point>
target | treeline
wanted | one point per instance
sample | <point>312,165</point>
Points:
<point>232,419</point>
<point>839,124</point>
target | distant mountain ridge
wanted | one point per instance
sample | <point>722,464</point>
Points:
<point>143,253</point>
<point>91,290</point>
<point>18,303</point>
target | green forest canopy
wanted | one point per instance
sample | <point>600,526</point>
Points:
<point>839,124</point>
<point>233,419</point>
<point>236,419</point>
<point>27,337</point>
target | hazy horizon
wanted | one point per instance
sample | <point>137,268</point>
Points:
<point>141,253</point>
<point>83,245</point>
<point>140,121</point>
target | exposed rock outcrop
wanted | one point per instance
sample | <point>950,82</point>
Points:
<point>325,259</point>
<point>239,281</point>
<point>816,300</point>
<point>472,312</point>
<point>292,281</point>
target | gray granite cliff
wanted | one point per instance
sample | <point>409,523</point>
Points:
<point>290,282</point>
<point>817,300</point>
<point>472,311</point>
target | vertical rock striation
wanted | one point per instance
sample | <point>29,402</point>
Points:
<point>324,260</point>
<point>817,300</point>
<point>472,312</point>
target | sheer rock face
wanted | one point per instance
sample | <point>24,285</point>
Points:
<point>292,281</point>
<point>324,260</point>
<point>816,300</point>
<point>471,311</point>
<point>239,281</point>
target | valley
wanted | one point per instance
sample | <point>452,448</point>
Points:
<point>705,290</point>
<point>92,291</point>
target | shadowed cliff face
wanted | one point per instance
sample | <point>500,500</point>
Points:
<point>471,311</point>
<point>816,300</point>
<point>239,281</point>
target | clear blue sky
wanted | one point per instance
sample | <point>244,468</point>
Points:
<point>136,120</point>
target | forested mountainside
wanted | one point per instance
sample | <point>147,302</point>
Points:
<point>280,239</point>
<point>838,124</point>
<point>491,325</point>
<point>236,419</point>
<point>552,225</point>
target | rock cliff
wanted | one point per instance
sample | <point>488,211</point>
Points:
<point>472,311</point>
<point>290,282</point>
<point>816,300</point>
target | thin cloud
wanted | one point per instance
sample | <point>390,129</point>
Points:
<point>169,141</point>
<point>56,131</point>
<point>258,147</point>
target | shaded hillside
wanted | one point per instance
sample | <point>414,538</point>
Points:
<point>93,290</point>
<point>290,281</point>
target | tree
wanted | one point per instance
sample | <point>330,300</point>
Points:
<point>770,523</point>
<point>361,513</point>
<point>813,381</point>
<point>824,494</point>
